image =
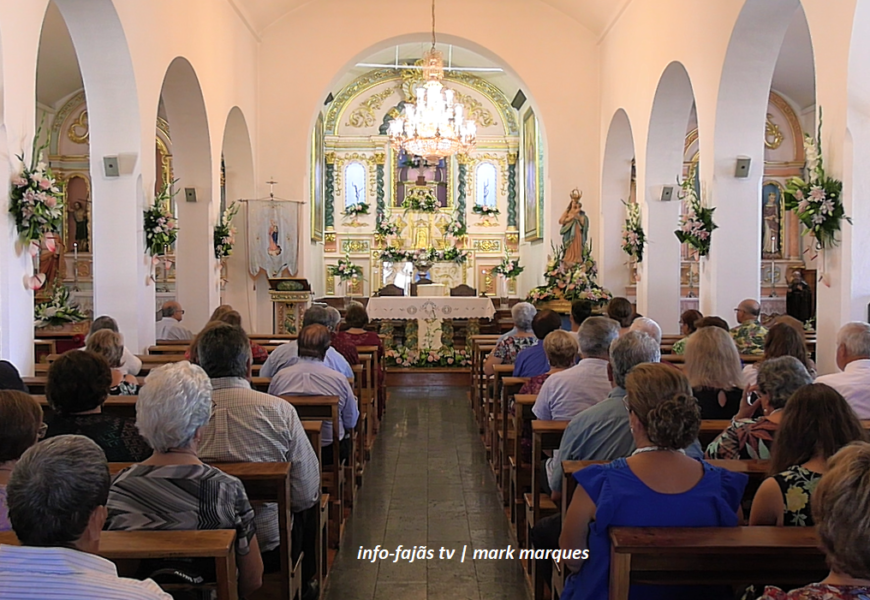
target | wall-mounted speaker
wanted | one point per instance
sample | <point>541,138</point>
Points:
<point>519,100</point>
<point>110,166</point>
<point>667,193</point>
<point>743,164</point>
<point>329,99</point>
<point>190,194</point>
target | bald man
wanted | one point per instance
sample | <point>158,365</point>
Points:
<point>169,328</point>
<point>749,334</point>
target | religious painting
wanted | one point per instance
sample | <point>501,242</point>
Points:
<point>77,220</point>
<point>317,167</point>
<point>533,180</point>
<point>272,237</point>
<point>771,220</point>
<point>416,172</point>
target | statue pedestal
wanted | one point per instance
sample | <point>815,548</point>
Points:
<point>290,297</point>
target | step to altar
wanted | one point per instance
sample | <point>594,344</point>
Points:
<point>436,377</point>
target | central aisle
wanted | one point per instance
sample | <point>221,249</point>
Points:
<point>427,484</point>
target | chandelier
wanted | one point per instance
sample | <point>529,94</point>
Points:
<point>433,127</point>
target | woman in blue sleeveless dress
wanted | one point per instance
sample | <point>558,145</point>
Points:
<point>657,486</point>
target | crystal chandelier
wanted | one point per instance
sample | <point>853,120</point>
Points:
<point>433,127</point>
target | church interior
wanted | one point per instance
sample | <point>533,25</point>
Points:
<point>442,164</point>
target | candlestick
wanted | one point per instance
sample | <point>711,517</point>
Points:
<point>75,267</point>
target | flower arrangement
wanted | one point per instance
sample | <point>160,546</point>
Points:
<point>633,236</point>
<point>161,226</point>
<point>35,200</point>
<point>421,200</point>
<point>574,282</point>
<point>509,267</point>
<point>58,310</point>
<point>402,356</point>
<point>225,233</point>
<point>696,225</point>
<point>456,229</point>
<point>345,270</point>
<point>818,201</point>
<point>356,209</point>
<point>392,254</point>
<point>485,210</point>
<point>423,256</point>
<point>387,229</point>
<point>452,255</point>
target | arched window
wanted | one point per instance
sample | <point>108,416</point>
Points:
<point>484,182</point>
<point>354,184</point>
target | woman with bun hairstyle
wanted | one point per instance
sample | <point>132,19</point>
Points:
<point>657,486</point>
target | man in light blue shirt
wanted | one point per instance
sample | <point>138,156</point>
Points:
<point>308,375</point>
<point>281,356</point>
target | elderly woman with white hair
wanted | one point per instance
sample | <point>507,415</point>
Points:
<point>174,489</point>
<point>505,352</point>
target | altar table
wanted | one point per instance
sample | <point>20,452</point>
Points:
<point>429,312</point>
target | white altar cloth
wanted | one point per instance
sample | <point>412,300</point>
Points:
<point>429,312</point>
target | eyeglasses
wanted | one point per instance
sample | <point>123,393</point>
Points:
<point>41,431</point>
<point>625,404</point>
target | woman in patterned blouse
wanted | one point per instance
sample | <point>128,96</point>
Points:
<point>505,352</point>
<point>174,490</point>
<point>816,423</point>
<point>841,508</point>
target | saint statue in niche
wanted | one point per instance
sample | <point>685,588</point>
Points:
<point>771,222</point>
<point>575,229</point>
<point>79,213</point>
<point>799,298</point>
<point>274,248</point>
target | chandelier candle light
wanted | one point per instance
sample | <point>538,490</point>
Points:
<point>433,127</point>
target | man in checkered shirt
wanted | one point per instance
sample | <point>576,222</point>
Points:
<point>250,426</point>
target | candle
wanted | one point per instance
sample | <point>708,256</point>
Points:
<point>75,251</point>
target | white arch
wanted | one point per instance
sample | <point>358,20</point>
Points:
<point>659,287</point>
<point>197,280</point>
<point>615,187</point>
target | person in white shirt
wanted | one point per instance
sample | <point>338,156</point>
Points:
<point>568,392</point>
<point>130,363</point>
<point>57,498</point>
<point>853,358</point>
<point>169,328</point>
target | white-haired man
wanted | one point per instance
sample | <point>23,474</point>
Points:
<point>853,358</point>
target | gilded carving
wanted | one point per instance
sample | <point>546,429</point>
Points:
<point>78,131</point>
<point>487,245</point>
<point>773,136</point>
<point>340,161</point>
<point>364,114</point>
<point>380,158</point>
<point>475,110</point>
<point>329,157</point>
<point>330,285</point>
<point>512,158</point>
<point>355,246</point>
<point>500,159</point>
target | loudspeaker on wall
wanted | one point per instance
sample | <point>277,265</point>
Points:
<point>743,164</point>
<point>667,193</point>
<point>190,194</point>
<point>110,166</point>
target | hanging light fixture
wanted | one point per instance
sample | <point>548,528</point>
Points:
<point>433,127</point>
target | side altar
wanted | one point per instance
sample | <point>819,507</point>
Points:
<point>291,297</point>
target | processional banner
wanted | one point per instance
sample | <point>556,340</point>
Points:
<point>273,237</point>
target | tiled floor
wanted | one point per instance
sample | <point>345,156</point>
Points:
<point>427,485</point>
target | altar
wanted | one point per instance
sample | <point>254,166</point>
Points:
<point>429,313</point>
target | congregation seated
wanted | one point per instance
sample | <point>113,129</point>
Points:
<point>509,345</point>
<point>580,311</point>
<point>280,356</point>
<point>816,422</point>
<point>714,371</point>
<point>174,489</point>
<point>781,340</point>
<point>532,361</point>
<point>647,326</point>
<point>586,384</point>
<point>57,497</point>
<point>10,378</point>
<point>853,359</point>
<point>621,310</point>
<point>169,326</point>
<point>250,426</point>
<point>356,318</point>
<point>342,346</point>
<point>688,326</point>
<point>226,314</point>
<point>749,334</point>
<point>108,344</point>
<point>750,436</point>
<point>657,486</point>
<point>712,321</point>
<point>130,363</point>
<point>309,375</point>
<point>21,426</point>
<point>840,509</point>
<point>77,386</point>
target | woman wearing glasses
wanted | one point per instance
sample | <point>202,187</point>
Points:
<point>657,486</point>
<point>21,426</point>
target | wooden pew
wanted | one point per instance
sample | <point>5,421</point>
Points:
<point>494,412</point>
<point>121,406</point>
<point>37,384</point>
<point>312,430</point>
<point>217,544</point>
<point>713,556</point>
<point>506,433</point>
<point>325,408</point>
<point>521,475</point>
<point>711,428</point>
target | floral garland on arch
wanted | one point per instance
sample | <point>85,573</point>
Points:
<point>35,200</point>
<point>818,201</point>
<point>345,270</point>
<point>161,226</point>
<point>633,236</point>
<point>696,225</point>
<point>392,254</point>
<point>571,282</point>
<point>225,233</point>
